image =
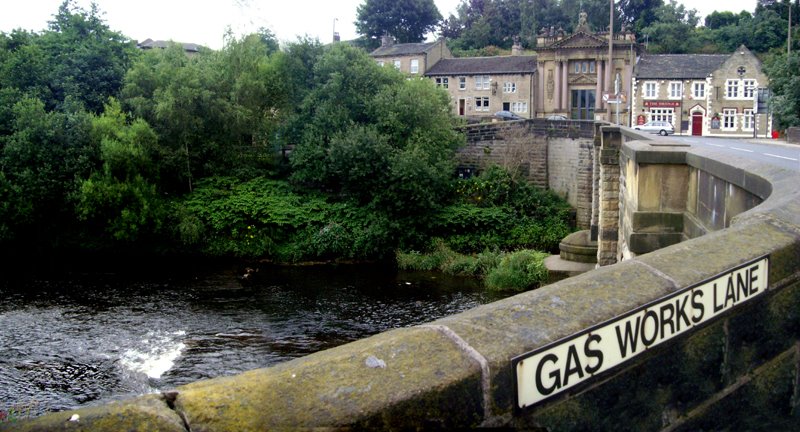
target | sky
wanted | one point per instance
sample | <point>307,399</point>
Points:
<point>205,22</point>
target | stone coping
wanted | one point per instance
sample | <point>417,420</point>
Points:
<point>456,371</point>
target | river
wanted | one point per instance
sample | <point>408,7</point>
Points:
<point>79,339</point>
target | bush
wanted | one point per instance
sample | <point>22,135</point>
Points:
<point>518,271</point>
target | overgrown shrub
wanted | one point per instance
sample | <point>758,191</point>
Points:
<point>518,271</point>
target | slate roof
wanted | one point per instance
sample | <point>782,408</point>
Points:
<point>403,49</point>
<point>484,65</point>
<point>150,44</point>
<point>664,66</point>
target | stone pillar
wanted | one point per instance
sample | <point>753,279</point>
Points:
<point>558,87</point>
<point>608,214</point>
<point>598,140</point>
<point>540,91</point>
<point>585,185</point>
<point>598,100</point>
<point>565,88</point>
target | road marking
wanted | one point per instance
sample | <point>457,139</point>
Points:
<point>717,145</point>
<point>781,157</point>
<point>741,149</point>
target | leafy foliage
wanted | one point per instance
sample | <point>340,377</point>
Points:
<point>518,271</point>
<point>406,20</point>
<point>784,73</point>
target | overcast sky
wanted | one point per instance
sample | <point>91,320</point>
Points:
<point>204,22</point>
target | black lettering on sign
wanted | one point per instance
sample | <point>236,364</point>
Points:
<point>544,390</point>
<point>573,364</point>
<point>667,319</point>
<point>682,316</point>
<point>593,353</point>
<point>753,279</point>
<point>698,306</point>
<point>631,337</point>
<point>654,317</point>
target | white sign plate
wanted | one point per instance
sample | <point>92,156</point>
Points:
<point>556,367</point>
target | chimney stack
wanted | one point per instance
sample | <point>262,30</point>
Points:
<point>387,40</point>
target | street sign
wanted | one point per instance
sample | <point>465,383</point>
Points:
<point>554,368</point>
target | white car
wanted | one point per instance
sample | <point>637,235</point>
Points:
<point>660,127</point>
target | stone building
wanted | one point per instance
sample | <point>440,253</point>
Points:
<point>567,77</point>
<point>702,94</point>
<point>411,58</point>
<point>572,73</point>
<point>481,86</point>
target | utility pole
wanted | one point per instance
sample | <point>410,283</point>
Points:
<point>610,66</point>
<point>789,33</point>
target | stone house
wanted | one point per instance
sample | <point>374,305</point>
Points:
<point>481,86</point>
<point>702,94</point>
<point>411,58</point>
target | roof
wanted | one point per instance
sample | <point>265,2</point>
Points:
<point>484,65</point>
<point>150,44</point>
<point>679,65</point>
<point>403,49</point>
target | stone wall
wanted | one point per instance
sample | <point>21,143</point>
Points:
<point>737,371</point>
<point>555,155</point>
<point>793,135</point>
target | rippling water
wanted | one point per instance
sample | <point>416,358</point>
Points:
<point>86,339</point>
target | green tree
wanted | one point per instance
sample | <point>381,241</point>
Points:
<point>674,30</point>
<point>121,201</point>
<point>39,162</point>
<point>85,60</point>
<point>372,135</point>
<point>784,76</point>
<point>405,20</point>
<point>640,13</point>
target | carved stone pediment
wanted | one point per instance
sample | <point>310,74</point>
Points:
<point>583,79</point>
<point>580,40</point>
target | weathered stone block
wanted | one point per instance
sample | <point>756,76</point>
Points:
<point>146,413</point>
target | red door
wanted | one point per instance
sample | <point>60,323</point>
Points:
<point>697,123</point>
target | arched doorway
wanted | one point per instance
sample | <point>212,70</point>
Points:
<point>697,123</point>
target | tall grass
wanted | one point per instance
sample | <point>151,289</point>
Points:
<point>502,271</point>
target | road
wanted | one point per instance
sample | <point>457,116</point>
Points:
<point>775,153</point>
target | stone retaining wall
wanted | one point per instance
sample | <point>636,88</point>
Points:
<point>555,155</point>
<point>737,372</point>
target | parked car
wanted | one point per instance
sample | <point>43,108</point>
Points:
<point>660,127</point>
<point>556,117</point>
<point>507,115</point>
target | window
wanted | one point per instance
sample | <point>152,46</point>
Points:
<point>481,104</point>
<point>699,90</point>
<point>749,88</point>
<point>462,83</point>
<point>729,118</point>
<point>443,82</point>
<point>380,62</point>
<point>414,66</point>
<point>509,87</point>
<point>747,119</point>
<point>397,64</point>
<point>519,107</point>
<point>662,114</point>
<point>731,89</point>
<point>650,90</point>
<point>482,82</point>
<point>583,66</point>
<point>675,90</point>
